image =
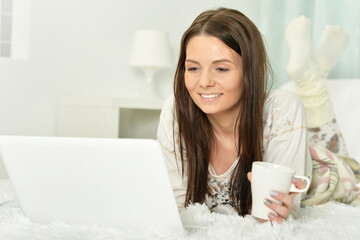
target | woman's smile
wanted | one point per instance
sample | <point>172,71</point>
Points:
<point>211,96</point>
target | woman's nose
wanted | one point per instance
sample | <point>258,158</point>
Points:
<point>206,80</point>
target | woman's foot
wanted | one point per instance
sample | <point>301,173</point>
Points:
<point>299,43</point>
<point>332,43</point>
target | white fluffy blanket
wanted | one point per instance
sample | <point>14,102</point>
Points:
<point>332,221</point>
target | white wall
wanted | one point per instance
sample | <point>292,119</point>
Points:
<point>81,48</point>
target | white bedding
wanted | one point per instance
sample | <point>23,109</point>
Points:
<point>332,221</point>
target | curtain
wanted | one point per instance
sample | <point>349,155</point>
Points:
<point>274,15</point>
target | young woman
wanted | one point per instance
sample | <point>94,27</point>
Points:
<point>222,118</point>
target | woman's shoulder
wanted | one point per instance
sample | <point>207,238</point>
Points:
<point>282,97</point>
<point>281,100</point>
<point>283,109</point>
<point>169,100</point>
<point>283,113</point>
<point>168,107</point>
<point>167,117</point>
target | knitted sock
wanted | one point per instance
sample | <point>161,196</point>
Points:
<point>303,69</point>
<point>299,43</point>
<point>332,43</point>
<point>309,71</point>
<point>319,109</point>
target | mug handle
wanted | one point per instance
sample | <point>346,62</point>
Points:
<point>307,181</point>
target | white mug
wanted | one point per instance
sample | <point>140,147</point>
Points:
<point>266,177</point>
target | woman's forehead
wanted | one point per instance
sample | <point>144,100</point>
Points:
<point>209,48</point>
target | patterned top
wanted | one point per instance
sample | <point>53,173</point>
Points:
<point>219,188</point>
<point>284,143</point>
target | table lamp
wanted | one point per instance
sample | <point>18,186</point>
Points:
<point>150,51</point>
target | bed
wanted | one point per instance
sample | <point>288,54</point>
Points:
<point>329,221</point>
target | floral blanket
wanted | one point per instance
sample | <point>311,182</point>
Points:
<point>334,178</point>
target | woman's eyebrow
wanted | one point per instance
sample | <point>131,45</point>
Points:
<point>222,60</point>
<point>192,61</point>
<point>215,61</point>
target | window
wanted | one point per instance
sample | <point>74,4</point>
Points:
<point>6,26</point>
<point>14,28</point>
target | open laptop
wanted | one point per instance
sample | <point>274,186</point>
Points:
<point>107,182</point>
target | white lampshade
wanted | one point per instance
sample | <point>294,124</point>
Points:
<point>150,48</point>
<point>150,51</point>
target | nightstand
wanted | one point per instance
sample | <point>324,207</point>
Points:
<point>108,117</point>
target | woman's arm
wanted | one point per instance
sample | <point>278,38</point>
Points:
<point>285,140</point>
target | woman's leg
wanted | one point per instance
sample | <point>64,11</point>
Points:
<point>309,70</point>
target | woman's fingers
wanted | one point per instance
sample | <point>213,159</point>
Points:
<point>299,183</point>
<point>263,220</point>
<point>280,210</point>
<point>286,203</point>
<point>249,176</point>
<point>285,199</point>
<point>275,218</point>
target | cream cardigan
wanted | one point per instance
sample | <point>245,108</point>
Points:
<point>284,141</point>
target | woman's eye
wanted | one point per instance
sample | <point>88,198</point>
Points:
<point>222,69</point>
<point>191,69</point>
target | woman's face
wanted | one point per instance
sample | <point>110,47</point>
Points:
<point>213,75</point>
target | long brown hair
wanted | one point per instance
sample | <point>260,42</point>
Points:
<point>195,131</point>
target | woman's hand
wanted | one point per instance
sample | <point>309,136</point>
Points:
<point>282,209</point>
